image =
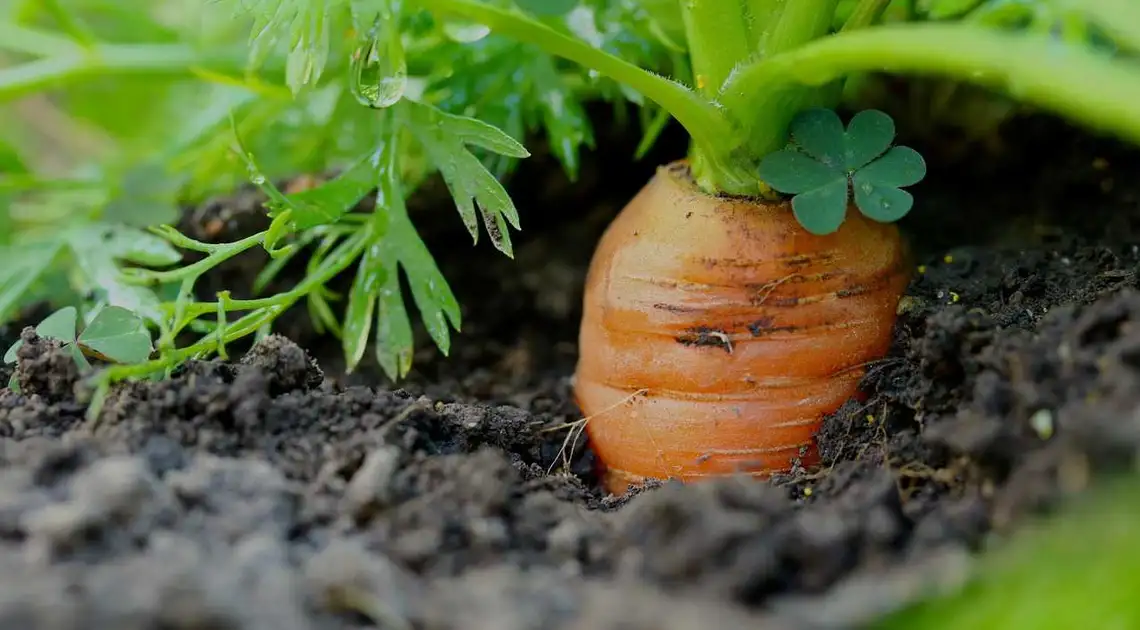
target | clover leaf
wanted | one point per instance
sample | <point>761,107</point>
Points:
<point>824,163</point>
<point>115,334</point>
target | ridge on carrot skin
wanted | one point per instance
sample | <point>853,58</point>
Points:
<point>717,332</point>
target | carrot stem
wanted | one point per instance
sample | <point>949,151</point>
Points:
<point>767,120</point>
<point>719,37</point>
<point>1084,86</point>
<point>866,13</point>
<point>707,126</point>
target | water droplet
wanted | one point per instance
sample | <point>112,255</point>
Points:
<point>379,71</point>
<point>465,32</point>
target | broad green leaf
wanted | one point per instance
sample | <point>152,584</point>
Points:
<point>790,171</point>
<point>822,210</point>
<point>20,267</point>
<point>59,325</point>
<point>868,135</point>
<point>118,335</point>
<point>551,8</point>
<point>882,203</point>
<point>898,167</point>
<point>819,133</point>
<point>443,137</point>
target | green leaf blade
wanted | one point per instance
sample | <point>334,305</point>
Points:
<point>20,267</point>
<point>792,172</point>
<point>394,341</point>
<point>362,299</point>
<point>444,138</point>
<point>819,133</point>
<point>119,335</point>
<point>476,132</point>
<point>60,326</point>
<point>884,204</point>
<point>869,135</point>
<point>433,297</point>
<point>822,210</point>
<point>898,167</point>
<point>327,203</point>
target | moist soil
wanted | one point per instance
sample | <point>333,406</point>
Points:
<point>273,491</point>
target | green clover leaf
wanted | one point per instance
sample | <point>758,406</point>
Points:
<point>115,334</point>
<point>118,335</point>
<point>824,163</point>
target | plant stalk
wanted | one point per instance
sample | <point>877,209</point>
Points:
<point>1095,90</point>
<point>711,131</point>
<point>767,118</point>
<point>719,38</point>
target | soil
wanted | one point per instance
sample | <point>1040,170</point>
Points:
<point>273,491</point>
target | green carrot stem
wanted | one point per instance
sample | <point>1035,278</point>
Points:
<point>1087,87</point>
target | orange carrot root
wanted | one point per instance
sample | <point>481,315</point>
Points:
<point>742,329</point>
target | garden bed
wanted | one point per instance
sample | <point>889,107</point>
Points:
<point>267,493</point>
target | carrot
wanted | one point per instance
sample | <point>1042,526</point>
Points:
<point>717,332</point>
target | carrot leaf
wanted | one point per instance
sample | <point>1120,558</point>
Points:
<point>823,162</point>
<point>445,138</point>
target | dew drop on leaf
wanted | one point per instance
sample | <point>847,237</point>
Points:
<point>465,32</point>
<point>379,70</point>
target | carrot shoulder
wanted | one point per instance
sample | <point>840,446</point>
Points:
<point>717,332</point>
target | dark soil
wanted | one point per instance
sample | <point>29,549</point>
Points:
<point>265,493</point>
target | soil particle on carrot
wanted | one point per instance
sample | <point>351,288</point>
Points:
<point>444,503</point>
